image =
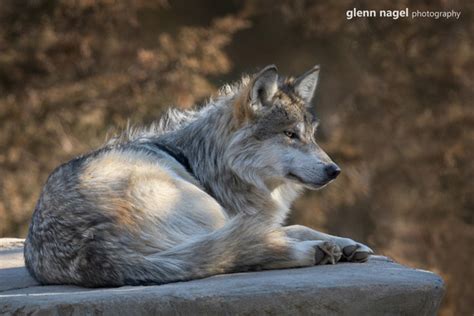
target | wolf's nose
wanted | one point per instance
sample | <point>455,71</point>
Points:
<point>332,170</point>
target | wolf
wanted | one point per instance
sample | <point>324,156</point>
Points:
<point>199,193</point>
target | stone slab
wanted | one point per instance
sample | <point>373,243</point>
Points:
<point>378,287</point>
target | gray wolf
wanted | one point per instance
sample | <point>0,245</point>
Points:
<point>199,193</point>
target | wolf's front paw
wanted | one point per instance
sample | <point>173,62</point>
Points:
<point>353,251</point>
<point>327,252</point>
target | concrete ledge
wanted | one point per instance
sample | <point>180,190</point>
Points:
<point>378,287</point>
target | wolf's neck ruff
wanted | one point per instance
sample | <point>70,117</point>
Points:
<point>205,142</point>
<point>214,145</point>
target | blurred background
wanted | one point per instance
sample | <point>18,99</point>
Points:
<point>395,100</point>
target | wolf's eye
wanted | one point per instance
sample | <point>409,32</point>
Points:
<point>290,134</point>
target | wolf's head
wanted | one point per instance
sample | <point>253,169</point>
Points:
<point>274,142</point>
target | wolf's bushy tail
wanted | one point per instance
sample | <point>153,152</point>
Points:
<point>243,243</point>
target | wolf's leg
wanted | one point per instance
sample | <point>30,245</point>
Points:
<point>351,250</point>
<point>245,244</point>
<point>198,260</point>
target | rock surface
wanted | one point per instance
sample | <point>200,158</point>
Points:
<point>378,287</point>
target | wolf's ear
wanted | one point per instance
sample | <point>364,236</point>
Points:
<point>263,87</point>
<point>305,85</point>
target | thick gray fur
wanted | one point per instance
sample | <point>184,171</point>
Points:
<point>129,213</point>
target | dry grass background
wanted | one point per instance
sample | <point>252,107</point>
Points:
<point>395,100</point>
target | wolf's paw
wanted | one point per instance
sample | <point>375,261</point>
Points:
<point>327,252</point>
<point>353,251</point>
